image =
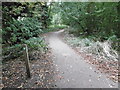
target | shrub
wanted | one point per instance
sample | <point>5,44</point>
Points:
<point>36,44</point>
<point>16,50</point>
<point>115,42</point>
<point>103,50</point>
<point>19,30</point>
<point>56,27</point>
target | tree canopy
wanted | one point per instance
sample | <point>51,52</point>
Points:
<point>90,18</point>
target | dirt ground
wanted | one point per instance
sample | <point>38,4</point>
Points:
<point>42,72</point>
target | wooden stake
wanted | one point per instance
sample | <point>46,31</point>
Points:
<point>27,64</point>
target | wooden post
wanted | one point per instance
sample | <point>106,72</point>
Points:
<point>27,64</point>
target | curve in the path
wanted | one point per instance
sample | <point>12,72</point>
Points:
<point>74,72</point>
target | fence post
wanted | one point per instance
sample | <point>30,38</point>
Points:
<point>27,64</point>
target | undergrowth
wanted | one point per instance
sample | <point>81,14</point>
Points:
<point>105,50</point>
<point>35,43</point>
<point>52,28</point>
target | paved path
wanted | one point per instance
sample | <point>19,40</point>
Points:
<point>74,72</point>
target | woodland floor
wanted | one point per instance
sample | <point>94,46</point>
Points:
<point>42,71</point>
<point>60,67</point>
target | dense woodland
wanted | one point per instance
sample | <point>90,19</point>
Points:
<point>86,29</point>
<point>23,22</point>
<point>91,18</point>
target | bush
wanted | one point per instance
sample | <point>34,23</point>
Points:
<point>115,42</point>
<point>36,44</point>
<point>19,30</point>
<point>11,52</point>
<point>74,31</point>
<point>57,27</point>
<point>99,49</point>
<point>16,50</point>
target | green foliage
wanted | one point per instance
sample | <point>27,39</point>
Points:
<point>57,27</point>
<point>93,20</point>
<point>80,42</point>
<point>11,52</point>
<point>90,18</point>
<point>21,21</point>
<point>52,28</point>
<point>36,44</point>
<point>75,31</point>
<point>98,49</point>
<point>113,38</point>
<point>56,19</point>
<point>16,50</point>
<point>115,42</point>
<point>20,30</point>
